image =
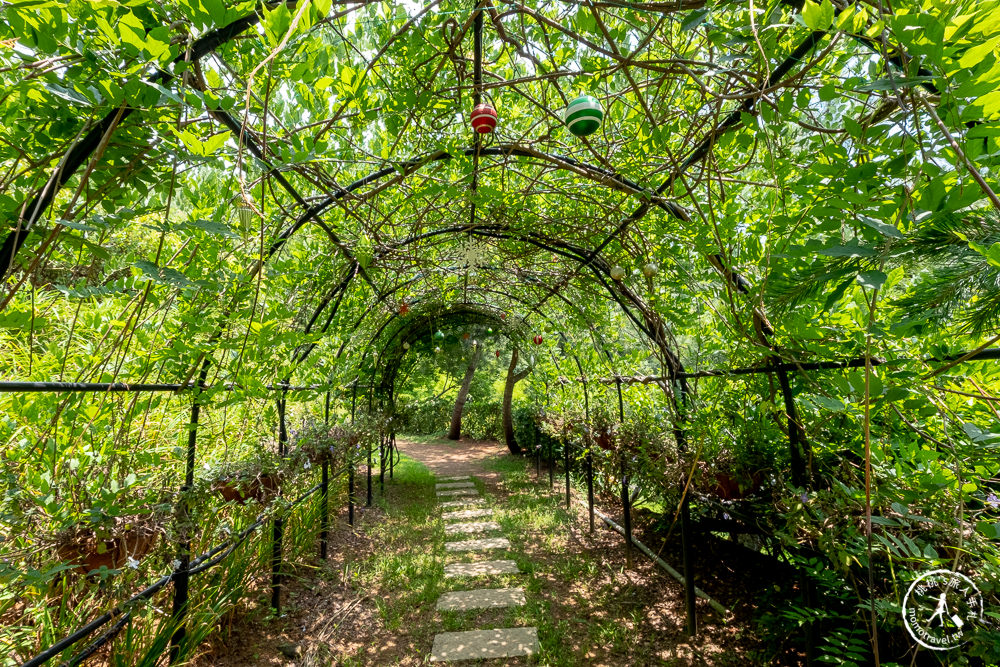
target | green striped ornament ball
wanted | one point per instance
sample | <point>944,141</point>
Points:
<point>584,115</point>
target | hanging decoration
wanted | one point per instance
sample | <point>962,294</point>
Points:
<point>650,270</point>
<point>406,346</point>
<point>245,215</point>
<point>537,340</point>
<point>404,308</point>
<point>503,316</point>
<point>472,253</point>
<point>484,118</point>
<point>437,350</point>
<point>439,335</point>
<point>583,115</point>
<point>498,354</point>
<point>617,272</point>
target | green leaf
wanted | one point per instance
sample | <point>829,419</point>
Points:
<point>818,16</point>
<point>694,19</point>
<point>893,83</point>
<point>871,279</point>
<point>212,227</point>
<point>851,249</point>
<point>882,227</point>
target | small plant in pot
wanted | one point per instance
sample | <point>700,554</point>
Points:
<point>111,542</point>
<point>604,430</point>
<point>240,482</point>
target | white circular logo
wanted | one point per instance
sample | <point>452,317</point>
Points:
<point>940,607</point>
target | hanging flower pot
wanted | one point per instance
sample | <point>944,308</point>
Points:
<point>650,270</point>
<point>88,549</point>
<point>241,487</point>
<point>617,272</point>
<point>483,118</point>
<point>604,439</point>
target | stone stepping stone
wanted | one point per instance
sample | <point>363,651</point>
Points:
<point>457,492</point>
<point>454,478</point>
<point>466,514</point>
<point>481,568</point>
<point>455,485</point>
<point>484,544</point>
<point>462,503</point>
<point>483,644</point>
<point>481,598</point>
<point>471,527</point>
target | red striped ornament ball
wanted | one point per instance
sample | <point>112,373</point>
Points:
<point>484,118</point>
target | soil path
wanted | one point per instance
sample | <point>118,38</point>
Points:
<point>463,457</point>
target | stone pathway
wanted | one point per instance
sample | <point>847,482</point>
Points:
<point>455,493</point>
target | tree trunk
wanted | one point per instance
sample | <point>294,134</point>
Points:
<point>455,432</point>
<point>508,395</point>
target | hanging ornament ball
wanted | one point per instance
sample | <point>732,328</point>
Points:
<point>498,354</point>
<point>537,339</point>
<point>439,335</point>
<point>503,316</point>
<point>475,343</point>
<point>583,115</point>
<point>466,335</point>
<point>406,346</point>
<point>437,350</point>
<point>650,270</point>
<point>490,330</point>
<point>404,308</point>
<point>484,118</point>
<point>617,272</point>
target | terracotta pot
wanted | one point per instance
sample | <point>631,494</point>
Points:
<point>88,552</point>
<point>259,488</point>
<point>728,487</point>
<point>605,440</point>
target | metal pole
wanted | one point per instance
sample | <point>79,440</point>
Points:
<point>182,580</point>
<point>382,446</point>
<point>627,513</point>
<point>369,502</point>
<point>796,440</point>
<point>278,530</point>
<point>392,452</point>
<point>552,465</point>
<point>566,465</point>
<point>590,486</point>
<point>324,520</point>
<point>350,491</point>
<point>353,463</point>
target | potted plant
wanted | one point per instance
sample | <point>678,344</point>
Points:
<point>109,542</point>
<point>240,482</point>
